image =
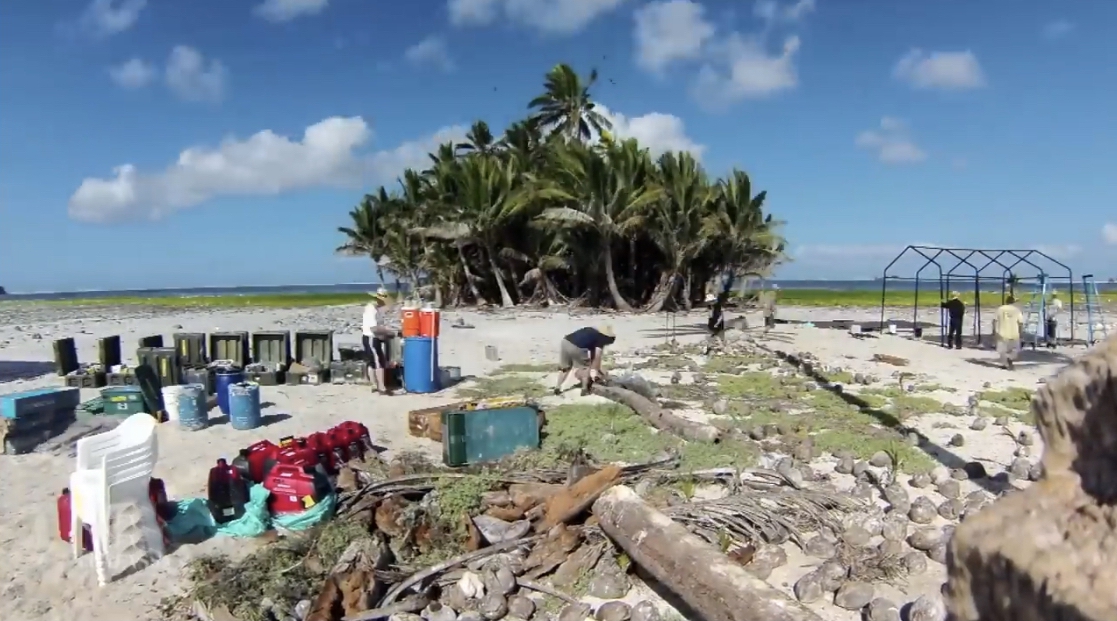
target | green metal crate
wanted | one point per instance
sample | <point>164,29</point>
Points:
<point>123,400</point>
<point>480,436</point>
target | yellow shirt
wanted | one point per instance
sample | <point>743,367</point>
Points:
<point>1009,319</point>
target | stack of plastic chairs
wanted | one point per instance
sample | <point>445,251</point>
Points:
<point>114,468</point>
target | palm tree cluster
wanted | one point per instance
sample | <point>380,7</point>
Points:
<point>558,211</point>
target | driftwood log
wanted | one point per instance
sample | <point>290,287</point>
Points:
<point>657,416</point>
<point>1049,553</point>
<point>711,584</point>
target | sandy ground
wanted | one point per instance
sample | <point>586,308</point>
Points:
<point>42,581</point>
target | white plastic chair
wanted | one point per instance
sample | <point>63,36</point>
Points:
<point>114,467</point>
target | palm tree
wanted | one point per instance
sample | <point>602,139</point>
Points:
<point>544,216</point>
<point>604,189</point>
<point>565,105</point>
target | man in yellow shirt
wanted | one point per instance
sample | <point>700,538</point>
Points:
<point>1008,324</point>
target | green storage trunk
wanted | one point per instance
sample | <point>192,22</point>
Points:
<point>123,400</point>
<point>480,436</point>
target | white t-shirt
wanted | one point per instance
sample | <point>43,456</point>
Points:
<point>1054,307</point>
<point>371,319</point>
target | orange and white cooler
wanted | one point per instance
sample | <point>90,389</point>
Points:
<point>410,323</point>
<point>429,320</point>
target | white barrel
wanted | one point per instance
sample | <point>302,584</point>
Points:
<point>170,401</point>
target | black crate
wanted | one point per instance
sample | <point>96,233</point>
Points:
<point>163,361</point>
<point>349,372</point>
<point>265,378</point>
<point>95,379</point>
<point>203,376</point>
<point>155,340</point>
<point>108,352</point>
<point>65,356</point>
<point>230,346</point>
<point>191,348</point>
<point>272,348</point>
<point>350,353</point>
<point>307,378</point>
<point>311,345</point>
<point>120,379</point>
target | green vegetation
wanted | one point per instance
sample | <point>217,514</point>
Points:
<point>525,368</point>
<point>503,386</point>
<point>1012,398</point>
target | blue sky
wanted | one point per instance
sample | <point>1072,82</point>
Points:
<point>150,143</point>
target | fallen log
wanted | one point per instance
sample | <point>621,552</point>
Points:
<point>712,585</point>
<point>657,416</point>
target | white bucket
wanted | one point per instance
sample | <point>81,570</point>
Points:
<point>170,401</point>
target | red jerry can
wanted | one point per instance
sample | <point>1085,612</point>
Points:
<point>64,505</point>
<point>252,461</point>
<point>295,489</point>
<point>329,455</point>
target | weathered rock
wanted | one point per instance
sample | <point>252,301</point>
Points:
<point>922,510</point>
<point>471,585</point>
<point>521,606</point>
<point>894,528</point>
<point>720,407</point>
<point>873,523</point>
<point>881,609</point>
<point>891,548</point>
<point>862,490</point>
<point>940,474</point>
<point>453,597</point>
<point>951,509</point>
<point>924,538</point>
<point>1022,451</point>
<point>895,494</point>
<point>856,536</point>
<point>957,440</point>
<point>645,611</point>
<point>809,588</point>
<point>937,552</point>
<point>493,606</point>
<point>919,481</point>
<point>979,423</point>
<point>853,595</point>
<point>498,531</point>
<point>499,580</point>
<point>770,555</point>
<point>820,546</point>
<point>844,465</point>
<point>575,612</point>
<point>613,611</point>
<point>915,563</point>
<point>578,564</point>
<point>959,474</point>
<point>470,615</point>
<point>1020,468</point>
<point>609,582</point>
<point>949,489</point>
<point>437,612</point>
<point>405,616</point>
<point>860,468</point>
<point>880,459</point>
<point>832,574</point>
<point>1025,438</point>
<point>927,608</point>
<point>1035,473</point>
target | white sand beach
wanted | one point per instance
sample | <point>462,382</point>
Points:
<point>42,581</point>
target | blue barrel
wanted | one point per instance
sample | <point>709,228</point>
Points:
<point>192,411</point>
<point>420,364</point>
<point>226,378</point>
<point>244,406</point>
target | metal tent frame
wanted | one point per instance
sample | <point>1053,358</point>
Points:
<point>983,261</point>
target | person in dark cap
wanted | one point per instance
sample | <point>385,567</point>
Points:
<point>583,349</point>
<point>955,310</point>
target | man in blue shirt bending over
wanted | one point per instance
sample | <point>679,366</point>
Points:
<point>583,349</point>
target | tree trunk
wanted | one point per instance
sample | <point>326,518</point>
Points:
<point>505,297</point>
<point>662,292</point>
<point>611,279</point>
<point>687,302</point>
<point>469,277</point>
<point>658,417</point>
<point>712,585</point>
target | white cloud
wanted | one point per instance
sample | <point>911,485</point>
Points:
<point>328,155</point>
<point>548,16</point>
<point>192,79</point>
<point>771,11</point>
<point>1057,29</point>
<point>669,31</point>
<point>104,18</point>
<point>746,71</point>
<point>940,70</point>
<point>657,132</point>
<point>287,10</point>
<point>132,74</point>
<point>1109,233</point>
<point>891,142</point>
<point>431,50</point>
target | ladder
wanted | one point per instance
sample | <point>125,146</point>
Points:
<point>1096,329</point>
<point>1035,314</point>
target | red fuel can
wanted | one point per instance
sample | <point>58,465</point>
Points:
<point>64,505</point>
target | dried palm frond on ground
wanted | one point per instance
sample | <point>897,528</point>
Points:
<point>764,512</point>
<point>868,564</point>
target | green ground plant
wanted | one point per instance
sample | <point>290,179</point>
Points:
<point>1012,398</point>
<point>503,386</point>
<point>525,368</point>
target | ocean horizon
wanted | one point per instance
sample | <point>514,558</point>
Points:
<point>928,285</point>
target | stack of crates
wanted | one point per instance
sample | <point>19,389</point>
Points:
<point>271,355</point>
<point>351,367</point>
<point>163,361</point>
<point>314,357</point>
<point>75,374</point>
<point>229,349</point>
<point>27,419</point>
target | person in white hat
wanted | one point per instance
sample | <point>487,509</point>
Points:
<point>583,349</point>
<point>374,336</point>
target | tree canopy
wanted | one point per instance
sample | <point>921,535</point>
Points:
<point>557,210</point>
